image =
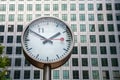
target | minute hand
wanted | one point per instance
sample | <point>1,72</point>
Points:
<point>41,36</point>
<point>55,35</point>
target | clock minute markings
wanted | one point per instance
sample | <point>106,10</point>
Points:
<point>57,56</point>
<point>29,49</point>
<point>47,58</point>
<point>37,55</point>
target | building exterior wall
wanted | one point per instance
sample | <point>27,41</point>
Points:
<point>96,28</point>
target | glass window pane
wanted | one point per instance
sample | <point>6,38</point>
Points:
<point>27,74</point>
<point>83,38</point>
<point>95,74</point>
<point>55,74</point>
<point>85,74</point>
<point>36,74</point>
<point>65,74</point>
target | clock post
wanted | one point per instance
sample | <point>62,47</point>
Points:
<point>47,72</point>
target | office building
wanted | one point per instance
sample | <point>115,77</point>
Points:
<point>96,28</point>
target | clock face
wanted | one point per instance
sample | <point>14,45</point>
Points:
<point>47,40</point>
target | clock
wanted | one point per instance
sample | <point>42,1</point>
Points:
<point>47,41</point>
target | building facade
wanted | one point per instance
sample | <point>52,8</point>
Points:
<point>96,28</point>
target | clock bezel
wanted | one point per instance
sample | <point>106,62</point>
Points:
<point>41,64</point>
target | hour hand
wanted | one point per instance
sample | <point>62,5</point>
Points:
<point>55,35</point>
<point>41,36</point>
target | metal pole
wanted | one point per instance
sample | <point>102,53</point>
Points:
<point>47,72</point>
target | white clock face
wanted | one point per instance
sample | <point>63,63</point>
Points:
<point>47,40</point>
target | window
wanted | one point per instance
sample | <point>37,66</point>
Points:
<point>118,16</point>
<point>93,49</point>
<point>104,62</point>
<point>64,7</point>
<point>11,7</point>
<point>17,61</point>
<point>101,27</point>
<point>29,7</point>
<point>75,38</point>
<point>27,74</point>
<point>64,17</point>
<point>8,74</point>
<point>36,74</point>
<point>90,7</point>
<point>117,6</point>
<point>91,27</point>
<point>112,38</point>
<point>66,64</point>
<point>99,7</point>
<point>46,7</point>
<point>1,39</point>
<point>110,27</point>
<point>55,7</point>
<point>116,75</point>
<point>18,50</point>
<point>11,17</point>
<point>94,62</point>
<point>85,74</point>
<point>9,50</point>
<point>65,74</point>
<point>109,17</point>
<point>38,7</point>
<point>10,61</point>
<point>105,74</point>
<point>74,27</point>
<point>2,17</point>
<point>17,74</point>
<point>75,50</point>
<point>2,7</point>
<point>91,17</point>
<point>55,74</point>
<point>92,38</point>
<point>18,39</point>
<point>19,28</point>
<point>83,50</point>
<point>118,38</point>
<point>113,50</point>
<point>9,39</point>
<point>84,62</point>
<point>75,74</point>
<point>82,28</point>
<point>114,62</point>
<point>81,7</point>
<point>83,38</point>
<point>2,28</point>
<point>95,74</point>
<point>108,6</point>
<point>26,63</point>
<point>20,17</point>
<point>72,7</point>
<point>20,7</point>
<point>100,17</point>
<point>118,27</point>
<point>102,39</point>
<point>103,50</point>
<point>29,17</point>
<point>73,17</point>
<point>10,28</point>
<point>74,61</point>
<point>82,17</point>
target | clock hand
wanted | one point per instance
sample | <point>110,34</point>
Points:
<point>55,35</point>
<point>41,36</point>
